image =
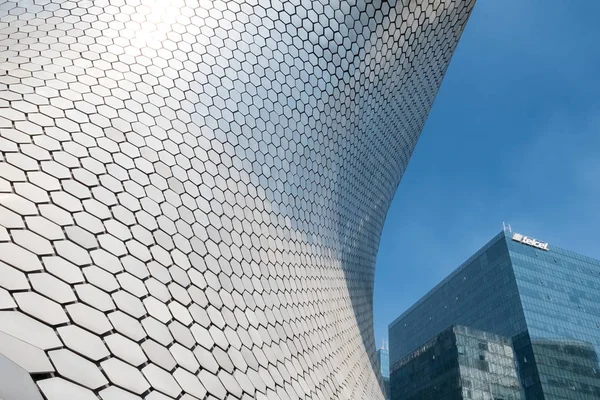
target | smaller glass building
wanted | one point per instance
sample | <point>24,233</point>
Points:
<point>459,363</point>
<point>383,356</point>
<point>545,299</point>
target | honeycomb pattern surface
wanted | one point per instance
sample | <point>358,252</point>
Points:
<point>192,191</point>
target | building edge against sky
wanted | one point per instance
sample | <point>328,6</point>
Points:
<point>192,193</point>
<point>544,298</point>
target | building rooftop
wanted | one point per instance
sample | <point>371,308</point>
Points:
<point>500,236</point>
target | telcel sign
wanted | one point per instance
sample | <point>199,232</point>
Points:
<point>517,237</point>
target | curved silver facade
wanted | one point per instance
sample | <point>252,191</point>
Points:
<point>192,192</point>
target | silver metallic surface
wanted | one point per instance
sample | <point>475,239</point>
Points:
<point>192,192</point>
<point>15,382</point>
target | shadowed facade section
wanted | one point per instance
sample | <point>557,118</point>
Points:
<point>192,193</point>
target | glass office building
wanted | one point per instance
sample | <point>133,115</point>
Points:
<point>546,299</point>
<point>458,363</point>
<point>383,357</point>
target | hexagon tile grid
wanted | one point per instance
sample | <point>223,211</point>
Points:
<point>192,191</point>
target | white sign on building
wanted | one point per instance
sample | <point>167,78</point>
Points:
<point>517,237</point>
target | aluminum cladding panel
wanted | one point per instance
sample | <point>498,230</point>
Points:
<point>192,192</point>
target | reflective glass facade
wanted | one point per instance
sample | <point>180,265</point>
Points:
<point>545,300</point>
<point>560,296</point>
<point>383,356</point>
<point>459,363</point>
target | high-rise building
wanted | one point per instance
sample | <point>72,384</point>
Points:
<point>192,192</point>
<point>383,357</point>
<point>458,363</point>
<point>545,299</point>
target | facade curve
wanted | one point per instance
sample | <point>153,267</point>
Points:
<point>192,192</point>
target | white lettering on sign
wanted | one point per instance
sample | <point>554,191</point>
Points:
<point>517,237</point>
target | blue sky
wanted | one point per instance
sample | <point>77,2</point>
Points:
<point>514,135</point>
